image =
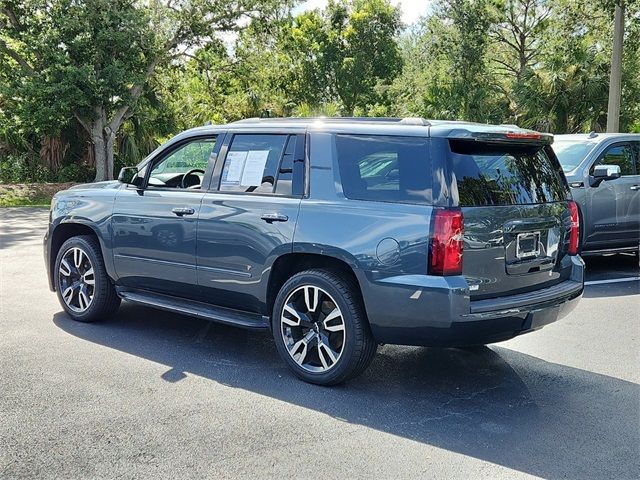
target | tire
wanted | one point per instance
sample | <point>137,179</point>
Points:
<point>305,312</point>
<point>81,300</point>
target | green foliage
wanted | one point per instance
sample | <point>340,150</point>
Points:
<point>343,52</point>
<point>537,63</point>
<point>22,168</point>
<point>77,56</point>
<point>64,61</point>
<point>105,82</point>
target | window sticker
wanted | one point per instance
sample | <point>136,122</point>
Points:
<point>254,165</point>
<point>234,166</point>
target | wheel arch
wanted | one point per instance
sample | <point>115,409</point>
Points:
<point>287,265</point>
<point>63,232</point>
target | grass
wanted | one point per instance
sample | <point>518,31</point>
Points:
<point>29,194</point>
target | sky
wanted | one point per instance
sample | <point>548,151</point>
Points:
<point>412,10</point>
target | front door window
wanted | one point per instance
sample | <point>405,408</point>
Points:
<point>185,167</point>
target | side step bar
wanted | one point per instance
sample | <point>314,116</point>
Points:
<point>606,251</point>
<point>195,309</point>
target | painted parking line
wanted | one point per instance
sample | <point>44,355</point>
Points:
<point>612,280</point>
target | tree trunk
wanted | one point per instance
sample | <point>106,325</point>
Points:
<point>615,79</point>
<point>52,152</point>
<point>103,138</point>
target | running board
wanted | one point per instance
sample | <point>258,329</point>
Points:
<point>195,309</point>
<point>606,251</point>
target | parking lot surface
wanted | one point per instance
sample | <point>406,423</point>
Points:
<point>155,395</point>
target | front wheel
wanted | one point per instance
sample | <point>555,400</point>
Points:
<point>84,289</point>
<point>320,327</point>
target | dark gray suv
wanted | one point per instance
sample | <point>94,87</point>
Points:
<point>336,234</point>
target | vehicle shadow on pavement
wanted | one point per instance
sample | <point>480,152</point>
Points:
<point>614,268</point>
<point>493,404</point>
<point>610,290</point>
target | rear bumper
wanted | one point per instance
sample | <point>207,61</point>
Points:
<point>437,311</point>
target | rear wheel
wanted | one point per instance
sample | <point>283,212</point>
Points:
<point>84,289</point>
<point>320,328</point>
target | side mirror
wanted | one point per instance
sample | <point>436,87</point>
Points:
<point>604,172</point>
<point>129,175</point>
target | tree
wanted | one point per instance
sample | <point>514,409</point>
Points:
<point>93,60</point>
<point>457,41</point>
<point>518,30</point>
<point>341,53</point>
<point>566,90</point>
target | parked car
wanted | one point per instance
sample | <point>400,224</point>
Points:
<point>336,234</point>
<point>603,170</point>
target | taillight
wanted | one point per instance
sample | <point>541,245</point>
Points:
<point>523,135</point>
<point>445,252</point>
<point>574,232</point>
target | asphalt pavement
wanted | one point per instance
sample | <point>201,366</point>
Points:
<point>155,395</point>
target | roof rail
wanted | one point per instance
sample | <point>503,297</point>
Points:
<point>403,121</point>
<point>415,121</point>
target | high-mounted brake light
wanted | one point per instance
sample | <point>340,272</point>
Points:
<point>523,135</point>
<point>574,232</point>
<point>445,252</point>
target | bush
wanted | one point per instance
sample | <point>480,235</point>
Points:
<point>24,169</point>
<point>20,168</point>
<point>75,173</point>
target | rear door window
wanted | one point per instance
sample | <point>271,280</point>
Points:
<point>384,168</point>
<point>254,164</point>
<point>488,174</point>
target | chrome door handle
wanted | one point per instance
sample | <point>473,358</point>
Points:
<point>635,187</point>
<point>183,211</point>
<point>274,217</point>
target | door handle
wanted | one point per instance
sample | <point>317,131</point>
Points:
<point>635,187</point>
<point>183,211</point>
<point>274,217</point>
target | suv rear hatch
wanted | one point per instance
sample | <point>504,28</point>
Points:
<point>517,219</point>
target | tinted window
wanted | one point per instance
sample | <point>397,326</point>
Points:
<point>571,153</point>
<point>384,168</point>
<point>621,155</point>
<point>253,164</point>
<point>284,180</point>
<point>505,175</point>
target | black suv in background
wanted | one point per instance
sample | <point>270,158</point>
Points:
<point>336,234</point>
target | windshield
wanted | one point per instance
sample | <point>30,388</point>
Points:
<point>571,152</point>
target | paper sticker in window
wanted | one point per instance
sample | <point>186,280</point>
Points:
<point>254,168</point>
<point>233,168</point>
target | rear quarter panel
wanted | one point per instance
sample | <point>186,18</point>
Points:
<point>376,238</point>
<point>384,243</point>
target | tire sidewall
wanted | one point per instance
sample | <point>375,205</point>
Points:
<point>94,309</point>
<point>345,362</point>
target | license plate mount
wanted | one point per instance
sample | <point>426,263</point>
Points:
<point>528,245</point>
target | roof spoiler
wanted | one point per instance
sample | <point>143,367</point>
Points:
<point>522,137</point>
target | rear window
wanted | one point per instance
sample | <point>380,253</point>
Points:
<point>488,174</point>
<point>384,168</point>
